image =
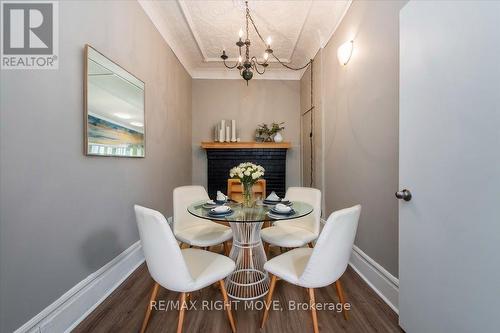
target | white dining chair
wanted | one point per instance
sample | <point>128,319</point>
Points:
<point>296,232</point>
<point>321,266</point>
<point>178,270</point>
<point>193,230</point>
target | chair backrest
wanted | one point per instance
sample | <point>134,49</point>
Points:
<point>183,197</point>
<point>235,190</point>
<point>163,255</point>
<point>331,253</point>
<point>311,196</point>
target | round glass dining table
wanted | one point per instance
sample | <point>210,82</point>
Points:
<point>249,281</point>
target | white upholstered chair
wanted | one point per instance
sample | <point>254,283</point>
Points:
<point>178,270</point>
<point>321,266</point>
<point>193,230</point>
<point>296,232</point>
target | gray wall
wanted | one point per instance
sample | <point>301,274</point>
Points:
<point>260,101</point>
<point>64,215</point>
<point>360,105</point>
<point>316,115</point>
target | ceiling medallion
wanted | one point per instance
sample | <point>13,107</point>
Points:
<point>248,65</point>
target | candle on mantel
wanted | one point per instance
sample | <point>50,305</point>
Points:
<point>223,129</point>
<point>228,134</point>
<point>221,134</point>
<point>233,130</point>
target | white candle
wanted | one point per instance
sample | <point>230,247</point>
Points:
<point>228,134</point>
<point>221,134</point>
<point>223,129</point>
<point>233,130</point>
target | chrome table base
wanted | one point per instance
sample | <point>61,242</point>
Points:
<point>249,281</point>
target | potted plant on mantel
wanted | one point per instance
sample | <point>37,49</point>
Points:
<point>265,133</point>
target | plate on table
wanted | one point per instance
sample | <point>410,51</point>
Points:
<point>271,202</point>
<point>215,213</point>
<point>279,216</point>
<point>209,206</point>
<point>277,212</point>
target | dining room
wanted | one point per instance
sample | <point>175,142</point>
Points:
<point>246,166</point>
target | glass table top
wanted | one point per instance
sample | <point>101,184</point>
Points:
<point>258,213</point>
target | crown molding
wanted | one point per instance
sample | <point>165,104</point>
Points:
<point>223,74</point>
<point>199,43</point>
<point>190,24</point>
<point>306,17</point>
<point>271,60</point>
<point>325,42</point>
<point>153,12</point>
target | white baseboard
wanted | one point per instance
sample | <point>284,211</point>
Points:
<point>71,308</point>
<point>77,303</point>
<point>385,285</point>
<point>377,277</point>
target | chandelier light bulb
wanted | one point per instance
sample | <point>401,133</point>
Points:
<point>248,63</point>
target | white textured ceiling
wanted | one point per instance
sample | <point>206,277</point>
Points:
<point>197,31</point>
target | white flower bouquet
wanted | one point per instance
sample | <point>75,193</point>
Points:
<point>248,173</point>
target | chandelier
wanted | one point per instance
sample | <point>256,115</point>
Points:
<point>246,64</point>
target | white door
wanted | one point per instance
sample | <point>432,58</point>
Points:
<point>450,162</point>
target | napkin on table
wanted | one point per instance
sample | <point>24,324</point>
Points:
<point>221,196</point>
<point>282,208</point>
<point>221,209</point>
<point>273,197</point>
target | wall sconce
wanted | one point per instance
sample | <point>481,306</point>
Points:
<point>344,52</point>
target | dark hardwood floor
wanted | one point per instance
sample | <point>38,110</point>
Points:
<point>124,309</point>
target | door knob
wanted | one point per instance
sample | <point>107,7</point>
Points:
<point>404,194</point>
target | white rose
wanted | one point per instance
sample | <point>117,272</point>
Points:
<point>247,173</point>
<point>240,175</point>
<point>255,175</point>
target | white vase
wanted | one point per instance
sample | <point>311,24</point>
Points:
<point>278,137</point>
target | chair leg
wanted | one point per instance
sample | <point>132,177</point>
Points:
<point>226,249</point>
<point>154,292</point>
<point>340,292</point>
<point>312,302</point>
<point>182,303</point>
<point>269,298</point>
<point>266,249</point>
<point>311,245</point>
<point>227,305</point>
